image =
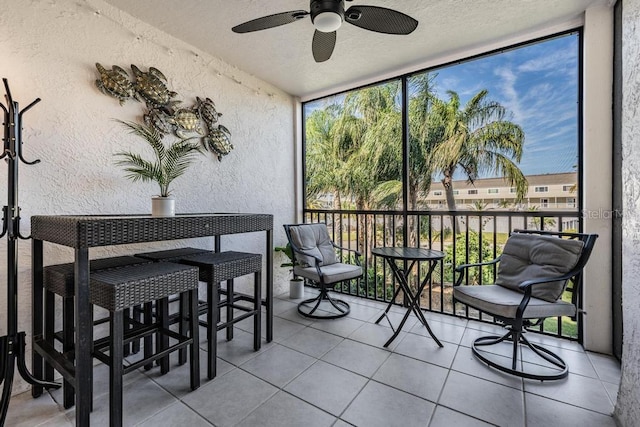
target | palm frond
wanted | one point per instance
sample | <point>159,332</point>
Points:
<point>170,162</point>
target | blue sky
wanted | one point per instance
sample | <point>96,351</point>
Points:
<point>538,84</point>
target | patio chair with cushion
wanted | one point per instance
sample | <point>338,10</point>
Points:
<point>534,271</point>
<point>315,259</point>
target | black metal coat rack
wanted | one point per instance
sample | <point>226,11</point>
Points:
<point>12,345</point>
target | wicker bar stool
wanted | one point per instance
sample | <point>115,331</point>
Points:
<point>217,267</point>
<point>59,280</point>
<point>118,289</point>
<point>170,255</point>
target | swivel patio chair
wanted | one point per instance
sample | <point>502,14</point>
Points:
<point>534,271</point>
<point>315,259</point>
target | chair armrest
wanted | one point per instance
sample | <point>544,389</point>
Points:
<point>528,284</point>
<point>357,253</point>
<point>527,287</point>
<point>463,267</point>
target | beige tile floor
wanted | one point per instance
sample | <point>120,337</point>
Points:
<point>337,373</point>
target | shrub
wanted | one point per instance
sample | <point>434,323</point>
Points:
<point>469,253</point>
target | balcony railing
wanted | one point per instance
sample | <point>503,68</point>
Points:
<point>464,236</point>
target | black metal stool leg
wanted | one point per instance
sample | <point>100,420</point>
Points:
<point>183,314</point>
<point>69,398</point>
<point>135,316</point>
<point>49,328</point>
<point>127,315</point>
<point>257,306</point>
<point>229,304</point>
<point>194,349</point>
<point>163,318</point>
<point>148,340</point>
<point>116,370</point>
<point>212,329</point>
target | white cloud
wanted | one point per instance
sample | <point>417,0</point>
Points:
<point>507,86</point>
<point>555,61</point>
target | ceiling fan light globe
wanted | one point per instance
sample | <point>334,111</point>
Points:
<point>327,22</point>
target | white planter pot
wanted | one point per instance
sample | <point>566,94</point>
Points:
<point>163,206</point>
<point>296,289</point>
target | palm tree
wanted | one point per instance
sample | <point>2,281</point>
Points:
<point>424,134</point>
<point>505,204</point>
<point>480,206</point>
<point>325,155</point>
<point>328,150</point>
<point>169,162</point>
<point>388,152</point>
<point>373,120</point>
<point>535,221</point>
<point>477,139</point>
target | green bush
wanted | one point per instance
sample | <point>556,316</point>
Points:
<point>469,253</point>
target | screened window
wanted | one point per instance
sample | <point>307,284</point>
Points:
<point>353,149</point>
<point>355,142</point>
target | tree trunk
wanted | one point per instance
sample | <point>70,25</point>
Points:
<point>447,183</point>
<point>337,220</point>
<point>413,206</point>
<point>362,244</point>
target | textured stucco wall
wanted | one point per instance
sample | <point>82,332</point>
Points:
<point>48,50</point>
<point>628,406</point>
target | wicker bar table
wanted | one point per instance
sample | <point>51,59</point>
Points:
<point>87,231</point>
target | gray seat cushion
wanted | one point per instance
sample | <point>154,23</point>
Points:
<point>500,301</point>
<point>314,240</point>
<point>529,256</point>
<point>332,273</point>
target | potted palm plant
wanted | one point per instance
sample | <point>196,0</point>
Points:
<point>296,284</point>
<point>169,163</point>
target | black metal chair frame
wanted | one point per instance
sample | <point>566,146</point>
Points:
<point>341,306</point>
<point>517,326</point>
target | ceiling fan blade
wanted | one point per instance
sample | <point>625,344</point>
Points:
<point>323,44</point>
<point>380,19</point>
<point>270,21</point>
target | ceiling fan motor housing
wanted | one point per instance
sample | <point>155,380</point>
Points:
<point>326,6</point>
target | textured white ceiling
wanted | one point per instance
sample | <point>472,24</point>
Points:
<point>282,55</point>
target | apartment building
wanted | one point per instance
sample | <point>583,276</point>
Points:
<point>546,192</point>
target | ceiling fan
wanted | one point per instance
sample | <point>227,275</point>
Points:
<point>327,16</point>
